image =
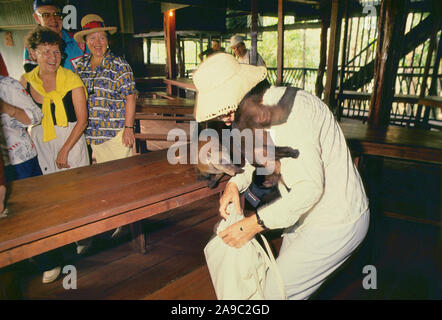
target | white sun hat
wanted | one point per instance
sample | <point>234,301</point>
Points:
<point>222,82</point>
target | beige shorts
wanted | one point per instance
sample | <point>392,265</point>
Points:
<point>112,149</point>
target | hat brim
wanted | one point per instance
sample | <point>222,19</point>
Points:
<point>79,36</point>
<point>227,96</point>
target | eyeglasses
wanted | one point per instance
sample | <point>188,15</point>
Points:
<point>47,15</point>
<point>48,53</point>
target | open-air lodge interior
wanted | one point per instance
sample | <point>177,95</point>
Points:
<point>376,64</point>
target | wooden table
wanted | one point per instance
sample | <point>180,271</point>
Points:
<point>53,210</point>
<point>394,142</point>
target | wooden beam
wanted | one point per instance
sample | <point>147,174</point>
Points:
<point>391,26</point>
<point>170,41</point>
<point>333,53</point>
<point>325,23</point>
<point>343,63</point>
<point>280,54</point>
<point>254,32</point>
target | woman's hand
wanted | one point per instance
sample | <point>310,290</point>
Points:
<point>128,137</point>
<point>62,159</point>
<point>241,232</point>
<point>230,195</point>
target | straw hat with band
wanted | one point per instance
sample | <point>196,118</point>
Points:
<point>222,83</point>
<point>92,23</point>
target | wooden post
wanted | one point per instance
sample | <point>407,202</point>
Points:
<point>280,54</point>
<point>254,32</point>
<point>170,41</point>
<point>325,23</point>
<point>333,53</point>
<point>391,26</point>
<point>343,62</point>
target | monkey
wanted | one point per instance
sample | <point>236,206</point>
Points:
<point>213,165</point>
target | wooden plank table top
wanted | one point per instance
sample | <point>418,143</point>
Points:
<point>151,102</point>
<point>148,106</point>
<point>395,142</point>
<point>53,210</point>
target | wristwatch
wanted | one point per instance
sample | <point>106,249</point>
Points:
<point>259,221</point>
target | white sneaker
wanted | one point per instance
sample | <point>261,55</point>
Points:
<point>117,233</point>
<point>82,249</point>
<point>51,275</point>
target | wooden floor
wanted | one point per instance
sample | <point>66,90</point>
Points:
<point>406,253</point>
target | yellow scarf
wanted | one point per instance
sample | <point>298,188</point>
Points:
<point>66,81</point>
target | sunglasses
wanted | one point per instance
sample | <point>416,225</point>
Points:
<point>47,15</point>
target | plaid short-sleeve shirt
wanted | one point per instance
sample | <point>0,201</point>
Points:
<point>108,86</point>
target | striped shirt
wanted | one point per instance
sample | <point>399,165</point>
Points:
<point>108,86</point>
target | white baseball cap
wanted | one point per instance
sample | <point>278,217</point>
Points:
<point>235,40</point>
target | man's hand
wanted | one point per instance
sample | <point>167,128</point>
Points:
<point>240,233</point>
<point>230,195</point>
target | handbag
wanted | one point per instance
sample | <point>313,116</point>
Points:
<point>240,273</point>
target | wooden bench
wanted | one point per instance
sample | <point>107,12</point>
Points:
<point>393,142</point>
<point>53,210</point>
<point>167,111</point>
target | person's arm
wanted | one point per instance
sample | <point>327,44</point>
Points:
<point>20,105</point>
<point>79,100</point>
<point>128,131</point>
<point>14,112</point>
<point>127,89</point>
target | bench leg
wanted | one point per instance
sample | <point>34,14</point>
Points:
<point>138,237</point>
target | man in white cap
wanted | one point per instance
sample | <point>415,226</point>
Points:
<point>242,53</point>
<point>47,13</point>
<point>323,207</point>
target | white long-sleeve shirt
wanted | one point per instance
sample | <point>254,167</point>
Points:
<point>324,185</point>
<point>246,59</point>
<point>16,139</point>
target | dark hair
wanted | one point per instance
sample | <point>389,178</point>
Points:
<point>108,35</point>
<point>43,35</point>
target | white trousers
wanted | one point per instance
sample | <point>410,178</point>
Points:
<point>48,151</point>
<point>308,256</point>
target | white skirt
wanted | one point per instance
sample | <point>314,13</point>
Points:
<point>48,151</point>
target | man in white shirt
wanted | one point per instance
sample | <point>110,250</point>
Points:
<point>242,53</point>
<point>323,207</point>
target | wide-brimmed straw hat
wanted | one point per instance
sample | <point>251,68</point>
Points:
<point>92,23</point>
<point>222,83</point>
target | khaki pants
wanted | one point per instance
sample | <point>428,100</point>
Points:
<point>112,149</point>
